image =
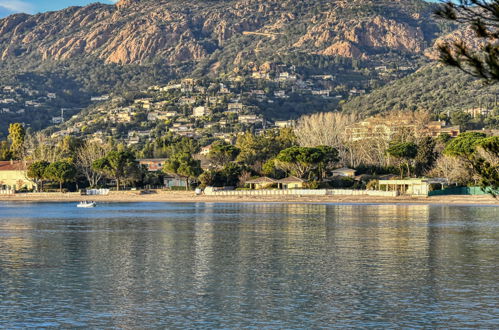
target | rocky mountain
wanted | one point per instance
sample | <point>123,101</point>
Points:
<point>140,31</point>
<point>83,51</point>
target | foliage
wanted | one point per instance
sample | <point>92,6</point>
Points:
<point>118,165</point>
<point>405,151</point>
<point>482,17</point>
<point>426,156</point>
<point>36,171</point>
<point>16,137</point>
<point>5,153</point>
<point>222,153</point>
<point>464,145</point>
<point>257,149</point>
<point>301,161</point>
<point>185,165</point>
<point>481,153</point>
<point>60,171</point>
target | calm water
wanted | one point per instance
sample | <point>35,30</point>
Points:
<point>255,265</point>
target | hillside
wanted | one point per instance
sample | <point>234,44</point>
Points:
<point>80,52</point>
<point>140,31</point>
<point>434,87</point>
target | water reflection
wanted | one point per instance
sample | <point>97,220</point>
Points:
<point>236,265</point>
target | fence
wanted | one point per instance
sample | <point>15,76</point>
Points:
<point>459,191</point>
<point>97,192</point>
<point>302,192</point>
<point>7,192</point>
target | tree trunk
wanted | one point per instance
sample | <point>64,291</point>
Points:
<point>117,184</point>
<point>60,186</point>
<point>187,183</point>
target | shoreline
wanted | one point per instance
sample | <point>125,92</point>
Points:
<point>190,197</point>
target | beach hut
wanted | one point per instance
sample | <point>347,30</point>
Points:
<point>291,182</point>
<point>260,183</point>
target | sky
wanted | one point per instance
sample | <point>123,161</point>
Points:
<point>36,6</point>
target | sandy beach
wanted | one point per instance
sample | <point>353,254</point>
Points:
<point>190,197</point>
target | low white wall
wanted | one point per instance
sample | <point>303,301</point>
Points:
<point>305,192</point>
<point>6,192</point>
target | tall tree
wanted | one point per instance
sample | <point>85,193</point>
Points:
<point>185,165</point>
<point>222,153</point>
<point>61,171</point>
<point>426,156</point>
<point>36,171</point>
<point>118,165</point>
<point>482,155</point>
<point>17,135</point>
<point>86,155</point>
<point>405,152</point>
<point>5,153</point>
<point>302,161</point>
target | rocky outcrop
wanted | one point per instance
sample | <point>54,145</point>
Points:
<point>139,31</point>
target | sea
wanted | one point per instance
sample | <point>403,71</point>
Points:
<point>248,265</point>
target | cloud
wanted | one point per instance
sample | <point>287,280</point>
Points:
<point>17,6</point>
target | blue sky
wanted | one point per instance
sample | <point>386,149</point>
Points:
<point>36,6</point>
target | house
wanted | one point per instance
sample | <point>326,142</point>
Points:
<point>260,183</point>
<point>437,128</point>
<point>199,111</point>
<point>284,123</point>
<point>250,119</point>
<point>344,171</point>
<point>414,187</point>
<point>291,182</point>
<point>235,107</point>
<point>153,164</point>
<point>13,176</point>
<point>172,181</point>
<point>205,150</point>
<point>99,98</point>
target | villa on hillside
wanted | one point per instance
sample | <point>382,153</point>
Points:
<point>13,176</point>
<point>153,164</point>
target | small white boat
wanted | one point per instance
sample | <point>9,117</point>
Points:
<point>86,204</point>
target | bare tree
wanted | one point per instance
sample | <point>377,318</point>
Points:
<point>85,158</point>
<point>453,169</point>
<point>41,148</point>
<point>325,129</point>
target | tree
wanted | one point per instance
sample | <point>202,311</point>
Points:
<point>301,161</point>
<point>462,119</point>
<point>464,145</point>
<point>482,16</point>
<point>86,156</point>
<point>5,153</point>
<point>185,165</point>
<point>116,164</point>
<point>482,155</point>
<point>256,150</point>
<point>16,137</point>
<point>486,163</point>
<point>61,171</point>
<point>405,151</point>
<point>326,129</point>
<point>222,153</point>
<point>36,171</point>
<point>426,156</point>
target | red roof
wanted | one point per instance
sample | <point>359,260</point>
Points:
<point>12,166</point>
